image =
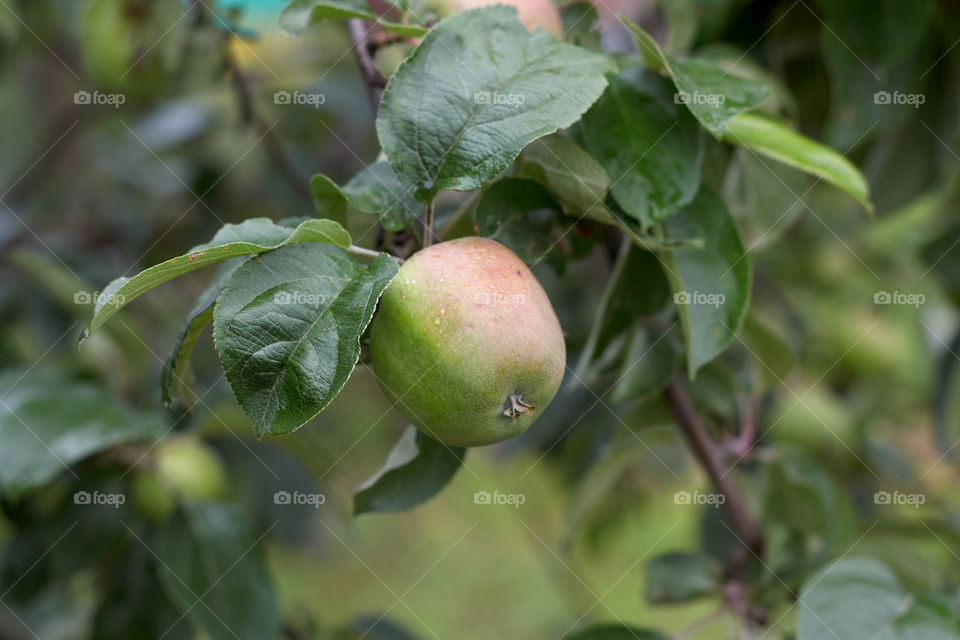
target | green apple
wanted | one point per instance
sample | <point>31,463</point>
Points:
<point>465,343</point>
<point>182,468</point>
<point>191,468</point>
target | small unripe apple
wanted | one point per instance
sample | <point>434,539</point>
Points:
<point>181,468</point>
<point>465,343</point>
<point>191,468</point>
<point>532,13</point>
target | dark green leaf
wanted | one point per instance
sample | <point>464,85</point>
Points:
<point>580,25</point>
<point>213,567</point>
<point>650,147</point>
<point>711,285</point>
<point>374,628</point>
<point>569,173</point>
<point>374,190</point>
<point>328,199</point>
<point>678,577</point>
<point>417,468</point>
<point>287,329</point>
<point>629,301</point>
<point>713,94</point>
<point>801,495</point>
<point>519,214</point>
<point>48,422</point>
<point>177,376</point>
<point>300,14</point>
<point>477,90</point>
<point>650,361</point>
<point>616,632</point>
<point>250,236</point>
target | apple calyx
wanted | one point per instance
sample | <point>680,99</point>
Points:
<point>514,406</point>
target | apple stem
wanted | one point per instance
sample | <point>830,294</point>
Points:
<point>514,406</point>
<point>428,225</point>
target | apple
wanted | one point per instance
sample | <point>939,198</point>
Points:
<point>532,13</point>
<point>465,343</point>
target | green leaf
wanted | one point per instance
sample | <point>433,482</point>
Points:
<point>712,284</point>
<point>287,328</point>
<point>213,567</point>
<point>650,361</point>
<point>711,93</point>
<point>176,377</point>
<point>328,199</point>
<point>300,14</point>
<point>861,599</point>
<point>870,49</point>
<point>763,197</point>
<point>774,140</point>
<point>374,190</point>
<point>49,421</point>
<point>417,468</point>
<point>250,236</point>
<point>774,356</point>
<point>629,302</point>
<point>616,632</point>
<point>519,214</point>
<point>678,577</point>
<point>476,91</point>
<point>569,173</point>
<point>372,627</point>
<point>650,147</point>
<point>801,495</point>
<point>580,25</point>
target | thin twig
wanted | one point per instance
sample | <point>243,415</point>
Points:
<point>363,51</point>
<point>709,454</point>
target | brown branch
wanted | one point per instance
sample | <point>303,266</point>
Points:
<point>363,49</point>
<point>710,455</point>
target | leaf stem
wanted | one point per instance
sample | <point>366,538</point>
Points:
<point>428,225</point>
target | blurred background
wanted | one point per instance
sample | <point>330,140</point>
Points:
<point>133,129</point>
